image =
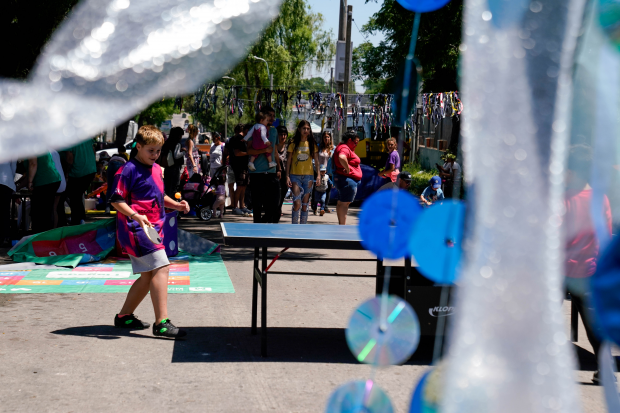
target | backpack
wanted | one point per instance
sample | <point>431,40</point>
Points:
<point>166,159</point>
<point>330,164</point>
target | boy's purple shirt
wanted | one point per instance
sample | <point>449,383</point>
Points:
<point>141,187</point>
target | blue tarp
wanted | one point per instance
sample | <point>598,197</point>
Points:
<point>370,183</point>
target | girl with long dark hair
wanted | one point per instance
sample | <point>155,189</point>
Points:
<point>301,171</point>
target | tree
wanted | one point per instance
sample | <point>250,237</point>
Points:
<point>439,38</point>
<point>316,84</point>
<point>25,27</point>
<point>156,113</point>
<point>294,38</point>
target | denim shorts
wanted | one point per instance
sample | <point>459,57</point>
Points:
<point>347,187</point>
<point>304,182</point>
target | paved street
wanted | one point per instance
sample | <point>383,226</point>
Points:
<point>59,352</point>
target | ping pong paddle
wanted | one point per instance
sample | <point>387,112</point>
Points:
<point>152,234</point>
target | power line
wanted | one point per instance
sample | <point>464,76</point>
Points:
<point>358,29</point>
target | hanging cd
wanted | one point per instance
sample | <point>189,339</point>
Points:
<point>386,219</point>
<point>423,6</point>
<point>436,241</point>
<point>357,397</point>
<point>609,18</point>
<point>383,344</point>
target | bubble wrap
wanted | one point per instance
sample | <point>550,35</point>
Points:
<point>509,351</point>
<point>112,58</point>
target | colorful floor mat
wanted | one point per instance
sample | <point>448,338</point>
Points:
<point>188,275</point>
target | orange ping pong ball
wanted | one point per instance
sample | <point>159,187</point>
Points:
<point>177,195</point>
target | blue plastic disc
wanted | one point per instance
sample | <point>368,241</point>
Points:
<point>436,242</point>
<point>417,400</point>
<point>359,397</point>
<point>423,6</point>
<point>390,344</point>
<point>386,219</point>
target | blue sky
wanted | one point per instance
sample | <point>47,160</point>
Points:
<point>330,10</point>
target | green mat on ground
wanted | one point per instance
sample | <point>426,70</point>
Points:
<point>188,275</point>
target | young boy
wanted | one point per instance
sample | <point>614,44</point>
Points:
<point>433,192</point>
<point>139,198</point>
<point>320,190</point>
<point>260,139</point>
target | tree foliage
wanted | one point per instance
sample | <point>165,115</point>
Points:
<point>25,26</point>
<point>315,84</point>
<point>295,37</point>
<point>156,113</point>
<point>437,49</point>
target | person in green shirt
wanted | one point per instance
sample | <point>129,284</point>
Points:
<point>43,182</point>
<point>82,170</point>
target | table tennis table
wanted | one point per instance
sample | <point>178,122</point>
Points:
<point>261,237</point>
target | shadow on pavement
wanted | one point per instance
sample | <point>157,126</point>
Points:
<point>236,344</point>
<point>284,345</point>
<point>102,332</point>
<point>247,254</point>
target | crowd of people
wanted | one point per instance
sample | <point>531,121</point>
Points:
<point>263,163</point>
<point>257,166</point>
<point>50,180</point>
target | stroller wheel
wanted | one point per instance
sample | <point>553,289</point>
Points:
<point>205,213</point>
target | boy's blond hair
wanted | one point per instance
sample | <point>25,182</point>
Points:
<point>149,135</point>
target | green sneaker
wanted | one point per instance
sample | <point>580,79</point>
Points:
<point>167,329</point>
<point>130,321</point>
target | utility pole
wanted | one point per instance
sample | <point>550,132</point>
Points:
<point>331,82</point>
<point>347,66</point>
<point>342,23</point>
<point>342,37</point>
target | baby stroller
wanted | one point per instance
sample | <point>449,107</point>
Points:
<point>200,195</point>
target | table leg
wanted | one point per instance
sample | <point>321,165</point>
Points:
<point>24,228</point>
<point>263,303</point>
<point>254,292</point>
<point>574,322</point>
<point>379,278</point>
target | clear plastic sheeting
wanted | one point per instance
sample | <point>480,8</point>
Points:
<point>112,58</point>
<point>509,351</point>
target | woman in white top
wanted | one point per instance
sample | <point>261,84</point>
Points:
<point>215,158</point>
<point>326,151</point>
<point>7,187</point>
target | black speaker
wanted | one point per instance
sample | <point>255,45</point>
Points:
<point>431,302</point>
